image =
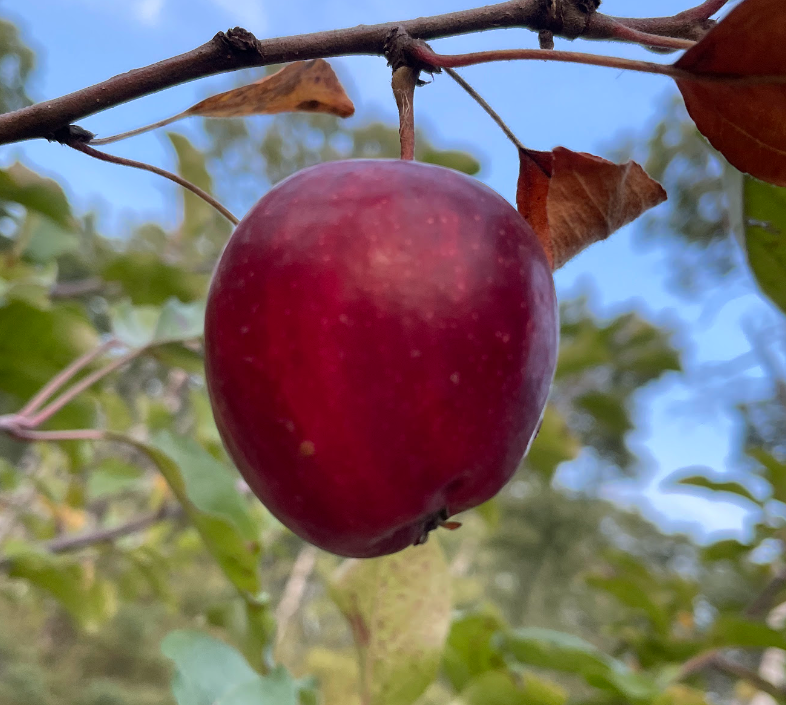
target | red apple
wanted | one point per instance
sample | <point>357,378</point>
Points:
<point>380,340</point>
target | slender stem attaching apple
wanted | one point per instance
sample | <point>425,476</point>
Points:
<point>483,104</point>
<point>404,81</point>
<point>113,159</point>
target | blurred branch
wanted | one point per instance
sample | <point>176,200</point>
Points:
<point>715,659</point>
<point>295,589</point>
<point>765,601</point>
<point>69,544</point>
<point>238,49</point>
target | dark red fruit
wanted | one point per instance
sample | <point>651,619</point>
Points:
<point>380,341</point>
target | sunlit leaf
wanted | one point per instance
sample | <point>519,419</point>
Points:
<point>503,688</point>
<point>733,631</point>
<point>148,281</point>
<point>399,609</point>
<point>554,444</point>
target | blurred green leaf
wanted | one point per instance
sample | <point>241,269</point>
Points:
<point>211,485</point>
<point>558,651</point>
<point>451,159</point>
<point>554,444</point>
<point>148,281</point>
<point>89,599</point>
<point>237,555</point>
<point>728,550</point>
<point>399,609</point>
<point>765,237</point>
<point>209,672</point>
<point>502,688</point>
<point>35,345</point>
<point>191,165</point>
<point>48,241</point>
<point>734,631</point>
<point>468,651</point>
<point>706,483</point>
<point>19,184</point>
<point>138,326</point>
<point>111,477</point>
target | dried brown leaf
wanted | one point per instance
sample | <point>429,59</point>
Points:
<point>303,86</point>
<point>745,122</point>
<point>572,199</point>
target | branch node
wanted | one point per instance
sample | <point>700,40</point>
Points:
<point>572,17</point>
<point>239,39</point>
<point>546,39</point>
<point>399,51</point>
<point>71,134</point>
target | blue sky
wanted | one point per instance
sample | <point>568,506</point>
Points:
<point>80,42</point>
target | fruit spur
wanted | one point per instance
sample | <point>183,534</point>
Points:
<point>380,340</point>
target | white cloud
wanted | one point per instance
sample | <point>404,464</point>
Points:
<point>148,11</point>
<point>247,13</point>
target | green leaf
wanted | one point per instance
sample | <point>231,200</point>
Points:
<point>502,688</point>
<point>111,477</point>
<point>558,651</point>
<point>139,326</point>
<point>451,159</point>
<point>192,166</point>
<point>230,545</point>
<point>399,609</point>
<point>733,631</point>
<point>209,672</point>
<point>35,345</point>
<point>765,237</point>
<point>48,241</point>
<point>706,483</point>
<point>468,651</point>
<point>19,184</point>
<point>150,282</point>
<point>728,550</point>
<point>554,444</point>
<point>209,484</point>
<point>90,600</point>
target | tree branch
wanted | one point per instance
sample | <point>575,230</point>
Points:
<point>238,49</point>
<point>78,542</point>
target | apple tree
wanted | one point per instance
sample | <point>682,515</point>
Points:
<point>124,521</point>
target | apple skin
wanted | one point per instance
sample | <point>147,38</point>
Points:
<point>380,340</point>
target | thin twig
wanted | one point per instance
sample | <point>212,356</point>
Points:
<point>765,600</point>
<point>294,590</point>
<point>62,378</point>
<point>443,61</point>
<point>82,434</point>
<point>483,104</point>
<point>715,659</point>
<point>113,159</point>
<point>238,49</point>
<point>138,131</point>
<point>69,395</point>
<point>628,34</point>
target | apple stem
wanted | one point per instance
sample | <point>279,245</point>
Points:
<point>81,146</point>
<point>483,104</point>
<point>404,81</point>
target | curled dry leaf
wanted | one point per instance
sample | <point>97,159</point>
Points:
<point>303,86</point>
<point>746,122</point>
<point>572,199</point>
